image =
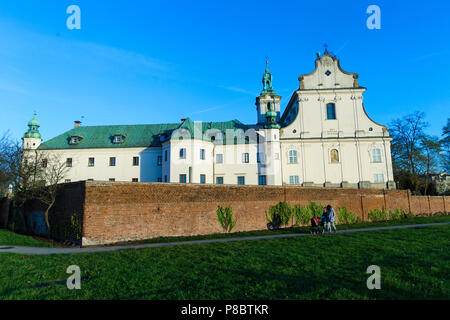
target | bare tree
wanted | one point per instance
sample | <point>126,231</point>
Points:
<point>407,133</point>
<point>41,176</point>
<point>32,173</point>
<point>446,146</point>
<point>431,153</point>
<point>54,173</point>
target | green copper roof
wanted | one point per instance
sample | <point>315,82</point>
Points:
<point>34,122</point>
<point>146,135</point>
<point>33,129</point>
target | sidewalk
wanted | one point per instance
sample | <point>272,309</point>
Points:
<point>51,251</point>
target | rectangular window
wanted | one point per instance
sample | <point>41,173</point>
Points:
<point>183,153</point>
<point>293,156</point>
<point>112,179</point>
<point>376,155</point>
<point>165,155</point>
<point>69,162</point>
<point>202,179</point>
<point>378,178</point>
<point>159,179</point>
<point>245,158</point>
<point>202,154</point>
<point>182,178</point>
<point>331,111</point>
<point>219,158</point>
<point>294,180</point>
<point>262,180</point>
<point>165,178</point>
<point>112,161</point>
<point>91,162</point>
<point>67,180</point>
<point>241,180</point>
<point>159,161</point>
<point>135,161</point>
<point>135,180</point>
<point>44,163</point>
<point>219,180</point>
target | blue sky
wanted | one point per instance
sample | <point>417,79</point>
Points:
<point>137,62</point>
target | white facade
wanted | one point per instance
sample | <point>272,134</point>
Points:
<point>323,138</point>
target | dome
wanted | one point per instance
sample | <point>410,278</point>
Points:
<point>35,135</point>
<point>34,122</point>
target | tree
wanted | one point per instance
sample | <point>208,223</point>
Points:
<point>33,174</point>
<point>10,162</point>
<point>445,142</point>
<point>407,134</point>
<point>42,175</point>
<point>430,157</point>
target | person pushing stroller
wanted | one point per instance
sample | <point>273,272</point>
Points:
<point>317,223</point>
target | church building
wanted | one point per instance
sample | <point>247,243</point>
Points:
<point>323,138</point>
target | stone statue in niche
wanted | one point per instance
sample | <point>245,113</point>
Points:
<point>334,155</point>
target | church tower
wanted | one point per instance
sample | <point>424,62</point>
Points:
<point>267,96</point>
<point>269,148</point>
<point>32,138</point>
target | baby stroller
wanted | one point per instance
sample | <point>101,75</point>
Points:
<point>316,223</point>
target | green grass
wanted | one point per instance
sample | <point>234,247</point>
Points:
<point>10,238</point>
<point>14,239</point>
<point>415,220</point>
<point>414,265</point>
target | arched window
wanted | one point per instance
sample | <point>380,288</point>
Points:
<point>334,156</point>
<point>331,111</point>
<point>376,155</point>
<point>293,156</point>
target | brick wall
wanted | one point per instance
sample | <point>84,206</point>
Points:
<point>115,212</point>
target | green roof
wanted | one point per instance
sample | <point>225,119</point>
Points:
<point>146,135</point>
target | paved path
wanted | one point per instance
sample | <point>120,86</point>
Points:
<point>51,251</point>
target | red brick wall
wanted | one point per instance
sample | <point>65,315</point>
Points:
<point>115,212</point>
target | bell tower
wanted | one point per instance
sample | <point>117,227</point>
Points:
<point>32,138</point>
<point>267,98</point>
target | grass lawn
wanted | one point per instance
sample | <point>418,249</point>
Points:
<point>14,239</point>
<point>414,263</point>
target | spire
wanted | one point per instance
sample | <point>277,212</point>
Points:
<point>267,82</point>
<point>33,128</point>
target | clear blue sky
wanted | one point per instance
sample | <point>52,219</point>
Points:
<point>137,62</point>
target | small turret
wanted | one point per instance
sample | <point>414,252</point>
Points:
<point>32,138</point>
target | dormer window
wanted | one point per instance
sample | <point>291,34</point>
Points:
<point>118,138</point>
<point>74,140</point>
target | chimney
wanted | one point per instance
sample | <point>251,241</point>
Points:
<point>77,124</point>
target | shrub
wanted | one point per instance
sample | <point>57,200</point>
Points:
<point>225,218</point>
<point>302,215</point>
<point>316,210</point>
<point>408,215</point>
<point>347,217</point>
<point>282,210</point>
<point>378,215</point>
<point>398,214</point>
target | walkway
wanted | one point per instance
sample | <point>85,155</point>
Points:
<point>51,251</point>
